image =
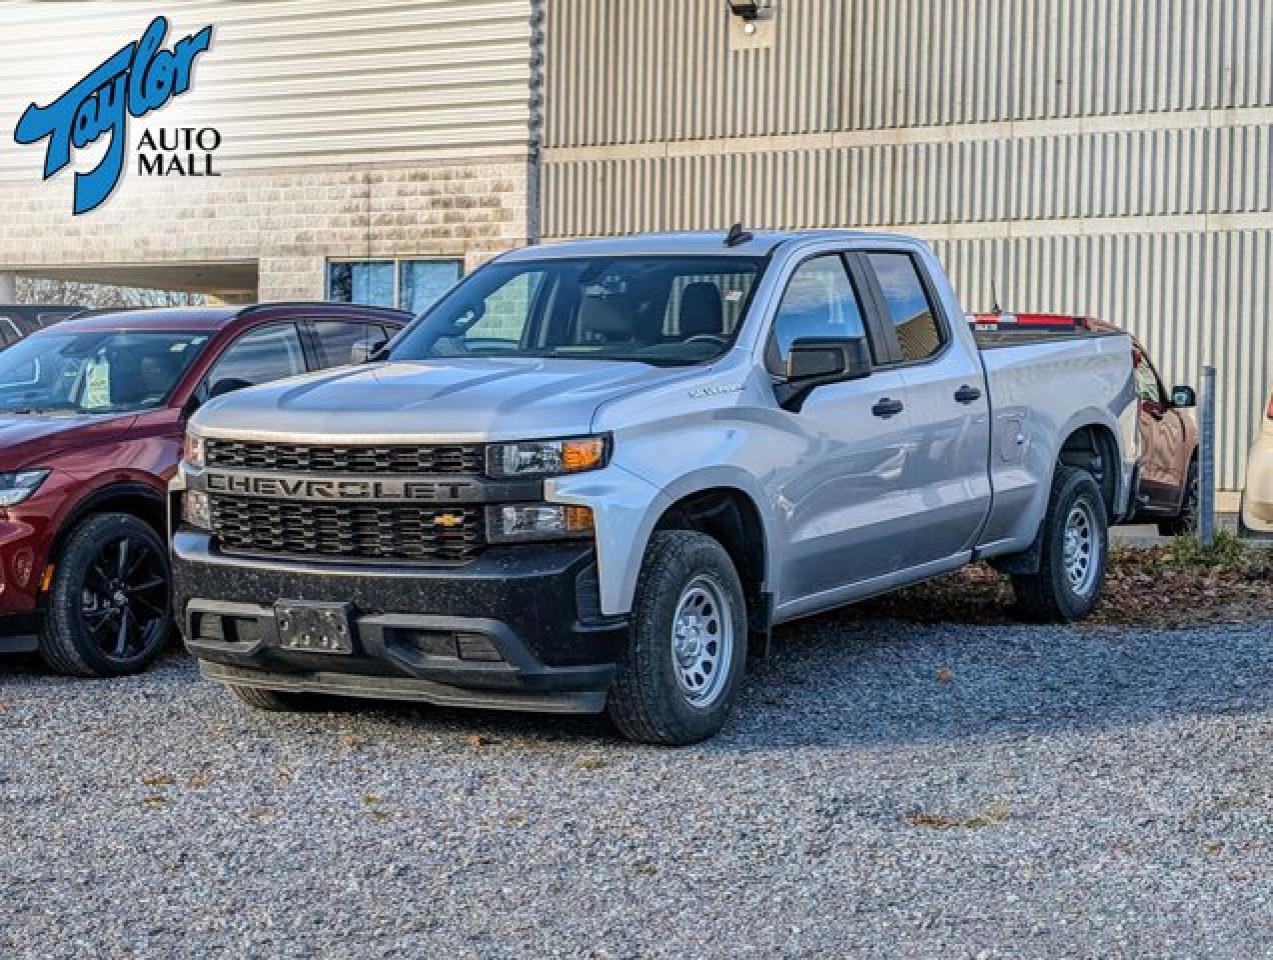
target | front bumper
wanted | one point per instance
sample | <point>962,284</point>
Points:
<point>1257,498</point>
<point>519,628</point>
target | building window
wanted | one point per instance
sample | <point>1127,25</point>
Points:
<point>413,285</point>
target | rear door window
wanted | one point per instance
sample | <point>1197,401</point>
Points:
<point>337,339</point>
<point>261,355</point>
<point>914,319</point>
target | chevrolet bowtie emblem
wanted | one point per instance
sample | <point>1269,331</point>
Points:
<point>447,520</point>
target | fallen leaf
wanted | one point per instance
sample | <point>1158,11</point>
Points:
<point>986,818</point>
<point>945,675</point>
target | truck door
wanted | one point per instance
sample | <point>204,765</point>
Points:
<point>842,498</point>
<point>947,471</point>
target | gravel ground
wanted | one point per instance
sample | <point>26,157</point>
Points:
<point>885,790</point>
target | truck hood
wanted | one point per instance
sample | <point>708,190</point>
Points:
<point>33,440</point>
<point>457,400</point>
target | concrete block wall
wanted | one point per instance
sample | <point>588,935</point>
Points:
<point>288,223</point>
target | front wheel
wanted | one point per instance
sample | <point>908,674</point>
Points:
<point>273,701</point>
<point>108,607</point>
<point>1074,550</point>
<point>687,647</point>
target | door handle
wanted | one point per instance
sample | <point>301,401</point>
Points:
<point>886,408</point>
<point>967,394</point>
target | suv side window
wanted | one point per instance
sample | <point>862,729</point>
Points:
<point>261,355</point>
<point>1148,388</point>
<point>919,335</point>
<point>819,302</point>
<point>336,339</point>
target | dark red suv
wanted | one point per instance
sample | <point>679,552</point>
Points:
<point>92,413</point>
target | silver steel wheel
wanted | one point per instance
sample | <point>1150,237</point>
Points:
<point>1082,547</point>
<point>702,641</point>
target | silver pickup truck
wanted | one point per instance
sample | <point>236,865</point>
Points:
<point>597,474</point>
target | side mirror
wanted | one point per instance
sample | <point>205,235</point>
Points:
<point>1183,397</point>
<point>228,385</point>
<point>813,362</point>
<point>364,350</point>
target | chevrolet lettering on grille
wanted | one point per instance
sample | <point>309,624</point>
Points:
<point>308,488</point>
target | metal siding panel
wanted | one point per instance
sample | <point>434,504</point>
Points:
<point>1191,297</point>
<point>364,81</point>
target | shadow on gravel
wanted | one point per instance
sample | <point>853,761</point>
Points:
<point>843,679</point>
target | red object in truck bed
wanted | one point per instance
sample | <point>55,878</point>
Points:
<point>1034,322</point>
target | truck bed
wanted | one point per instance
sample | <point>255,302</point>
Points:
<point>1040,387</point>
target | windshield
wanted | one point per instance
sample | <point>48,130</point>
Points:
<point>94,372</point>
<point>671,311</point>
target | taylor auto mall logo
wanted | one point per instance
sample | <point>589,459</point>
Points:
<point>139,78</point>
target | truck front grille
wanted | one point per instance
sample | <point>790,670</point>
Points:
<point>418,460</point>
<point>369,532</point>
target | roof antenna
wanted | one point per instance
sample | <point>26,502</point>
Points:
<point>738,236</point>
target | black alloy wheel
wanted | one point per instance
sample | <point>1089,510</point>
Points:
<point>125,598</point>
<point>107,610</point>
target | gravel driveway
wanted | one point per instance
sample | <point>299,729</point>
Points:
<point>885,790</point>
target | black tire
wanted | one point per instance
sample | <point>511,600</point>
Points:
<point>113,570</point>
<point>649,701</point>
<point>1052,595</point>
<point>1185,522</point>
<point>273,701</point>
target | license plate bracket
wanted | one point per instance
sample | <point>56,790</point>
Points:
<point>315,627</point>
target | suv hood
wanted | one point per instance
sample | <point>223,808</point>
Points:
<point>456,400</point>
<point>33,440</point>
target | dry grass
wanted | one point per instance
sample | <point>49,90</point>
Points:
<point>1180,584</point>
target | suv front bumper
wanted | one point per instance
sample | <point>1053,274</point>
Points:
<point>519,628</point>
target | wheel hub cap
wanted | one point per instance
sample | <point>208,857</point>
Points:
<point>1080,548</point>
<point>702,641</point>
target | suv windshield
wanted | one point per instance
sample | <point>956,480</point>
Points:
<point>672,311</point>
<point>94,371</point>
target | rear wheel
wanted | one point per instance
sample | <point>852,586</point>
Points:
<point>687,646</point>
<point>1185,522</point>
<point>1074,549</point>
<point>108,610</point>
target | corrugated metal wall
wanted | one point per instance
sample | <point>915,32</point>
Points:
<point>293,83</point>
<point>1103,156</point>
<point>644,71</point>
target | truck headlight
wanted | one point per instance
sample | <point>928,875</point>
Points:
<point>546,458</point>
<point>192,452</point>
<point>16,487</point>
<point>537,521</point>
<point>196,509</point>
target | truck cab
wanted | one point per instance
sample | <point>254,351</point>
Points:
<point>597,474</point>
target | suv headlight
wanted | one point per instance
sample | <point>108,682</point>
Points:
<point>16,487</point>
<point>192,451</point>
<point>547,458</point>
